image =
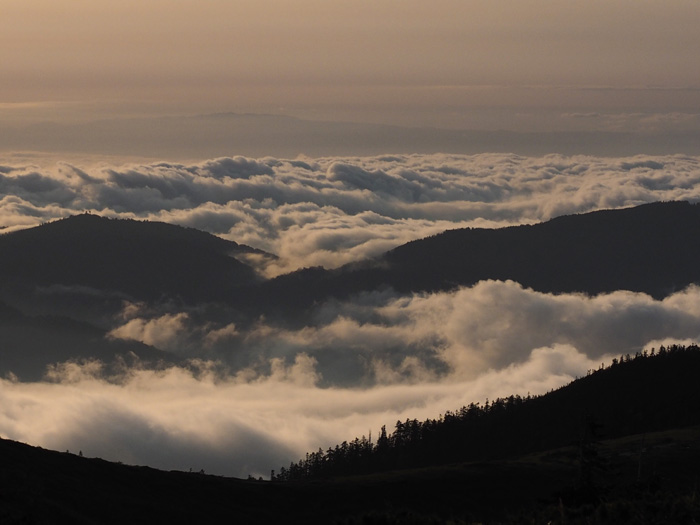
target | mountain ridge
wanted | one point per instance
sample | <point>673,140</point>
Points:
<point>87,268</point>
<point>649,248</point>
<point>145,260</point>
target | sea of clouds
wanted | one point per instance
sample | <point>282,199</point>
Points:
<point>255,398</point>
<point>330,211</point>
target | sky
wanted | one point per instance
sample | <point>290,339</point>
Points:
<point>474,64</point>
<point>101,106</point>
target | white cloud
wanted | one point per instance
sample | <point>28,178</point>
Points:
<point>174,420</point>
<point>163,332</point>
<point>380,338</point>
<point>330,211</point>
<point>356,365</point>
<point>381,358</point>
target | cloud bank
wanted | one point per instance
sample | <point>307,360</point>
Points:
<point>381,339</point>
<point>172,420</point>
<point>254,398</point>
<point>330,211</point>
<point>359,365</point>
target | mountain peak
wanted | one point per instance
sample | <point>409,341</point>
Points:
<point>145,260</point>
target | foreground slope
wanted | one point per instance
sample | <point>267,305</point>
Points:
<point>40,487</point>
<point>647,393</point>
<point>650,475</point>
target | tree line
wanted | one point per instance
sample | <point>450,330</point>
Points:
<point>648,391</point>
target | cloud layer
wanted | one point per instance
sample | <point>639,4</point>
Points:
<point>330,211</point>
<point>356,367</point>
<point>381,339</point>
<point>172,420</point>
<point>254,398</point>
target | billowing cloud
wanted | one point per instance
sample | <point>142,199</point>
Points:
<point>381,338</point>
<point>330,211</point>
<point>173,420</point>
<point>274,393</point>
<point>254,397</point>
<point>162,332</point>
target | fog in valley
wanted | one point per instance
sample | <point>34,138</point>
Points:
<point>245,398</point>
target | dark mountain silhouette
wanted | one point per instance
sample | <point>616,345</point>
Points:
<point>30,343</point>
<point>653,248</point>
<point>142,260</point>
<point>85,266</point>
<point>64,282</point>
<point>649,248</point>
<point>642,478</point>
<point>611,402</point>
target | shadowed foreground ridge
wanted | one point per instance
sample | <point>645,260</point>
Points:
<point>621,456</point>
<point>612,402</point>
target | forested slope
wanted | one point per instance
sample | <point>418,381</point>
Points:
<point>634,395</point>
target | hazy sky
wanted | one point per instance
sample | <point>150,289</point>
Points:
<point>458,63</point>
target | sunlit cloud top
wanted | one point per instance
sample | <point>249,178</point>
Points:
<point>333,210</point>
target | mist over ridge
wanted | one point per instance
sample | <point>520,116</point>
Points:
<point>233,234</point>
<point>227,381</point>
<point>328,211</point>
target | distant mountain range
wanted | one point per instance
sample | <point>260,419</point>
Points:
<point>84,267</point>
<point>259,135</point>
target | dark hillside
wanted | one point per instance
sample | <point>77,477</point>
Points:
<point>647,393</point>
<point>652,248</point>
<point>648,477</point>
<point>28,344</point>
<point>144,260</point>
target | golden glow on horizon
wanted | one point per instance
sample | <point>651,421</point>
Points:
<point>353,60</point>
